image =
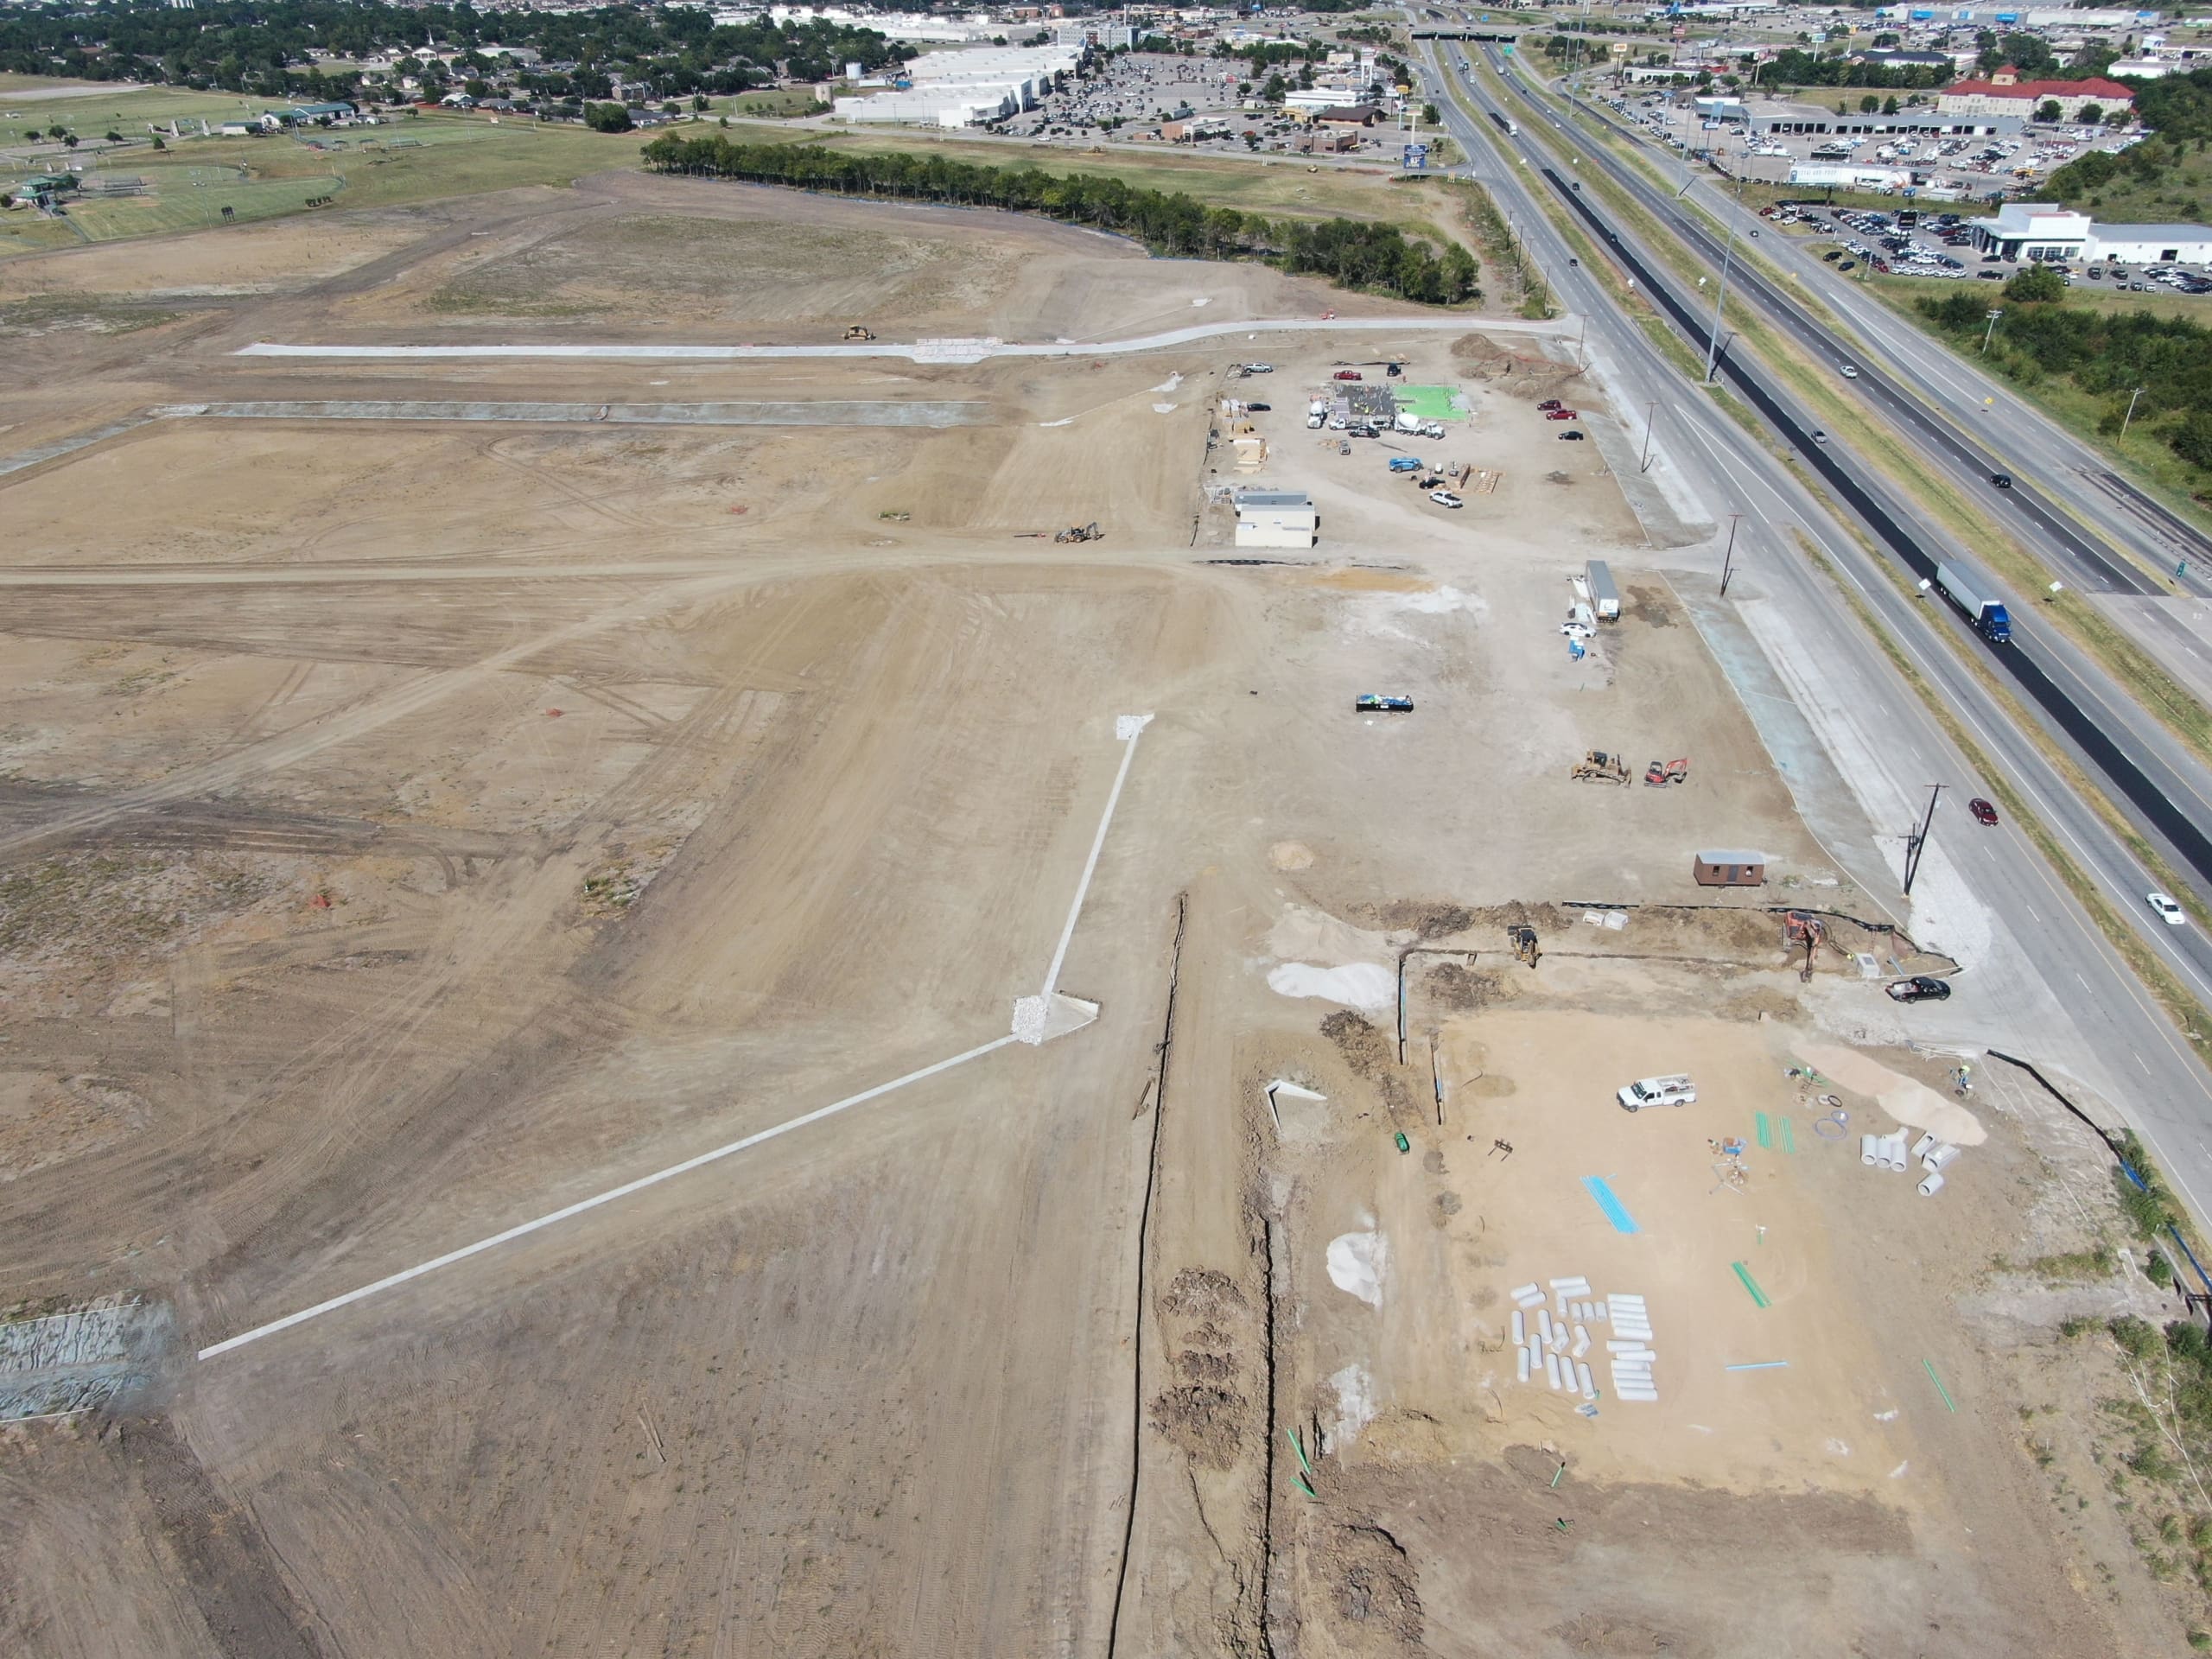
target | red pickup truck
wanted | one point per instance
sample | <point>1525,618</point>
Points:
<point>1350,374</point>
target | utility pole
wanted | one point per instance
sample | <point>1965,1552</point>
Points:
<point>2130,416</point>
<point>1720,300</point>
<point>1987,332</point>
<point>1917,840</point>
<point>1728,564</point>
<point>1650,414</point>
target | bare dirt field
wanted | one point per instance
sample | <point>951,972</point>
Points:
<point>411,829</point>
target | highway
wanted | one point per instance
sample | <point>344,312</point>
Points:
<point>2165,786</point>
<point>2043,975</point>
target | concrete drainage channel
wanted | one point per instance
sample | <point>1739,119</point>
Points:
<point>878,412</point>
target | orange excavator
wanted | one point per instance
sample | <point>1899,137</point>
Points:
<point>1659,773</point>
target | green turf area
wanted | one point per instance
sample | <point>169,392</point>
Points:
<point>1432,403</point>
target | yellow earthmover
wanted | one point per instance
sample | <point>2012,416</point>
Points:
<point>1598,767</point>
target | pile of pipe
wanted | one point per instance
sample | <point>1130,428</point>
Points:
<point>1549,1341</point>
<point>1888,1151</point>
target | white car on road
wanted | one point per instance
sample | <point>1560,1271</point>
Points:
<point>2169,913</point>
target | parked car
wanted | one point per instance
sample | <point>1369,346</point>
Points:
<point>1405,464</point>
<point>1259,368</point>
<point>1561,414</point>
<point>1575,436</point>
<point>1445,499</point>
<point>2168,911</point>
<point>1369,702</point>
<point>1259,408</point>
<point>1982,811</point>
<point>1921,988</point>
<point>1349,374</point>
<point>1676,1090</point>
<point>1551,402</point>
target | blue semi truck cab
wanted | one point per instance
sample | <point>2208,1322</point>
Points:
<point>1972,593</point>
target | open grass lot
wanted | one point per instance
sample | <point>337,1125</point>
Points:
<point>2144,452</point>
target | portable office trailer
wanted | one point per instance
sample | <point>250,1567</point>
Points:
<point>1723,867</point>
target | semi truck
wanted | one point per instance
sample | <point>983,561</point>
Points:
<point>1973,593</point>
<point>1605,598</point>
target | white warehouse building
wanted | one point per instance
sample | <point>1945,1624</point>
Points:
<point>2038,232</point>
<point>1276,518</point>
<point>958,89</point>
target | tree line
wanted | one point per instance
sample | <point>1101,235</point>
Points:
<point>263,47</point>
<point>1353,253</point>
<point>2104,354</point>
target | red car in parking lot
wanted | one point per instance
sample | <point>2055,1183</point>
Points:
<point>1561,414</point>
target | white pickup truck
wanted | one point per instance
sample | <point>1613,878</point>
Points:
<point>1673,1090</point>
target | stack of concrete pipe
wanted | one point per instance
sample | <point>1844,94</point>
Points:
<point>1552,1347</point>
<point>1629,1350</point>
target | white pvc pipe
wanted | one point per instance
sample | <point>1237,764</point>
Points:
<point>1551,1370</point>
<point>1623,1299</point>
<point>1870,1150</point>
<point>1574,1285</point>
<point>1581,1340</point>
<point>1626,1347</point>
<point>1522,1293</point>
<point>1544,1323</point>
<point>1520,1329</point>
<point>1931,1187</point>
<point>1521,1365</point>
<point>1582,1382</point>
<point>1641,1397</point>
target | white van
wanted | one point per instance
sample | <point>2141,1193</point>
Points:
<point>1675,1090</point>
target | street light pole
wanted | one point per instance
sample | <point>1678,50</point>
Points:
<point>1720,300</point>
<point>1728,559</point>
<point>2130,416</point>
<point>1987,332</point>
<point>1916,842</point>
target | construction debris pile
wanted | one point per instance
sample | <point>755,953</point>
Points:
<point>1552,1345</point>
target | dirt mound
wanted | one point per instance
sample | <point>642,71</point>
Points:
<point>1202,1422</point>
<point>1370,1584</point>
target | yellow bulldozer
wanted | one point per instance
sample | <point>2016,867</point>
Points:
<point>857,333</point>
<point>1598,767</point>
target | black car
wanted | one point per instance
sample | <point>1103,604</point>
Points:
<point>2002,480</point>
<point>1921,988</point>
<point>1259,408</point>
<point>1570,438</point>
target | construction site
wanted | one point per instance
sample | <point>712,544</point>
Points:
<point>695,962</point>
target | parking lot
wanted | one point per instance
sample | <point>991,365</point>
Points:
<point>1908,243</point>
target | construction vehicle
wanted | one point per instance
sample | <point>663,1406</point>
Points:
<point>1090,532</point>
<point>857,333</point>
<point>1372,703</point>
<point>1659,773</point>
<point>1525,944</point>
<point>1598,767</point>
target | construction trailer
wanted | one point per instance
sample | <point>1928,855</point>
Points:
<point>1726,866</point>
<point>1605,598</point>
<point>1276,518</point>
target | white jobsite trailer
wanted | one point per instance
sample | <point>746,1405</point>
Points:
<point>1605,598</point>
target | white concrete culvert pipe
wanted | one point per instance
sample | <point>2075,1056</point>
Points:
<point>1931,1187</point>
<point>1520,1329</point>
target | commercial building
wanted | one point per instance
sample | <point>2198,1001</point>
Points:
<point>960,89</point>
<point>2031,230</point>
<point>2153,244</point>
<point>2006,93</point>
<point>1276,518</point>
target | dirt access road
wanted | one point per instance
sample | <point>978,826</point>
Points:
<point>412,829</point>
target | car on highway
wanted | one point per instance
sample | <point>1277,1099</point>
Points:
<point>1572,437</point>
<point>1445,499</point>
<point>1982,811</point>
<point>1561,414</point>
<point>2168,911</point>
<point>1676,1090</point>
<point>1820,434</point>
<point>1848,371</point>
<point>1921,988</point>
<point>2002,480</point>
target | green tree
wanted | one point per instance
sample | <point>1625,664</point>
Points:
<point>2192,439</point>
<point>607,117</point>
<point>2092,115</point>
<point>2036,283</point>
<point>1889,106</point>
<point>2119,117</point>
<point>1869,104</point>
<point>2048,110</point>
<point>1431,114</point>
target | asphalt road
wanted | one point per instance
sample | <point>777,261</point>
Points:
<point>2047,976</point>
